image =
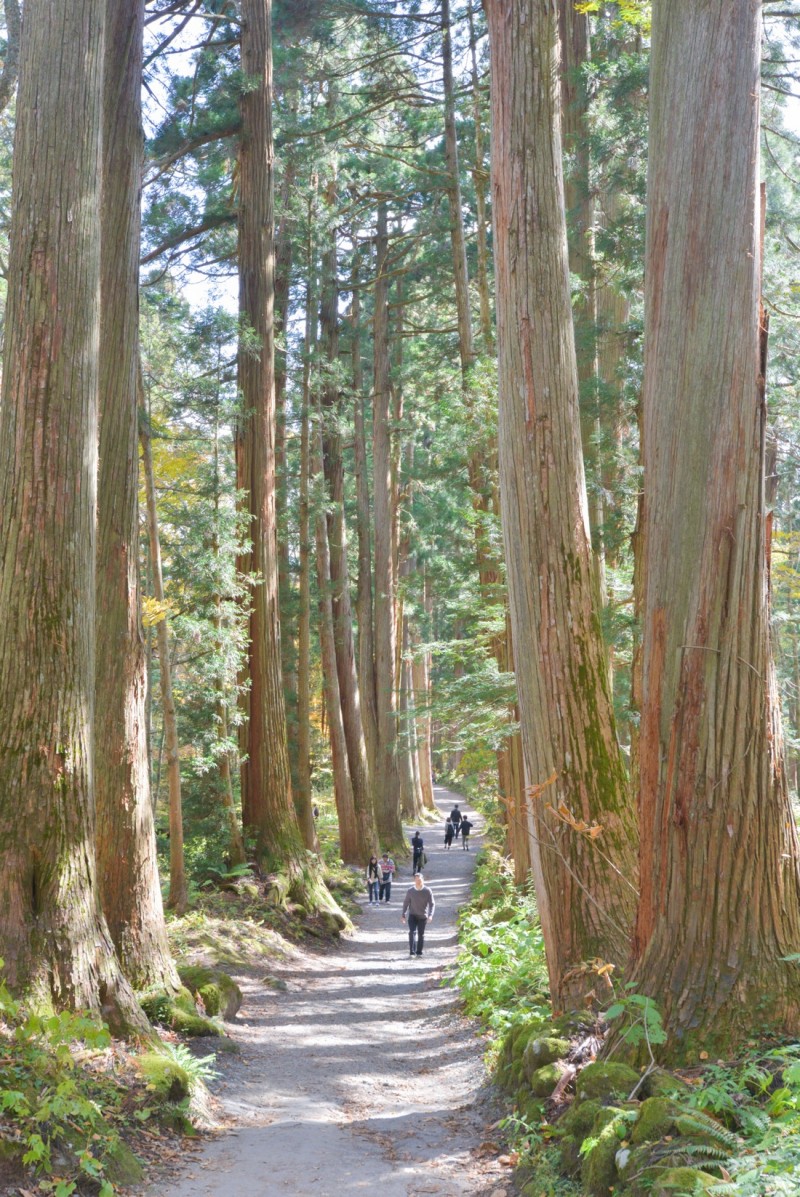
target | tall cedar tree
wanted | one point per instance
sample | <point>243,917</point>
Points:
<point>269,798</point>
<point>126,843</point>
<point>53,936</point>
<point>720,896</point>
<point>387,772</point>
<point>586,898</point>
<point>279,844</point>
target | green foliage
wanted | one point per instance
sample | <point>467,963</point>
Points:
<point>54,1109</point>
<point>641,1024</point>
<point>501,969</point>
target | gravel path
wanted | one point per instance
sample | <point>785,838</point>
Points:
<point>361,1076</point>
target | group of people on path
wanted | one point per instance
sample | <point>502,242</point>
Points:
<point>419,903</point>
<point>456,824</point>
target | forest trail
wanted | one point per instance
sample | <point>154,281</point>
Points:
<point>361,1076</point>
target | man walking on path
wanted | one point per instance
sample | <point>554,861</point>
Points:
<point>418,846</point>
<point>466,828</point>
<point>455,818</point>
<point>419,905</point>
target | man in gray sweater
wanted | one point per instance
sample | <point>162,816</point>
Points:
<point>419,905</point>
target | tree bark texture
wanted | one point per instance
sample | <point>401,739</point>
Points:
<point>571,753</point>
<point>333,467</point>
<point>303,802</point>
<point>720,896</point>
<point>457,240</point>
<point>177,899</point>
<point>480,180</point>
<point>53,936</point>
<point>350,846</point>
<point>267,777</point>
<point>364,610</point>
<point>127,866</point>
<point>579,204</point>
<point>387,780</point>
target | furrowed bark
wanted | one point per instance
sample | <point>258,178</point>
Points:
<point>54,939</point>
<point>387,780</point>
<point>178,899</point>
<point>572,758</point>
<point>127,865</point>
<point>344,644</point>
<point>720,899</point>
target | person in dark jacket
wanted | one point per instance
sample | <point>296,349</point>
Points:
<point>455,818</point>
<point>418,846</point>
<point>466,828</point>
<point>419,905</point>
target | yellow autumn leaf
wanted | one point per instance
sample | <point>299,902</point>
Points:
<point>153,612</point>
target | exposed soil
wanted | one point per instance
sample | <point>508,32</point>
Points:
<point>361,1075</point>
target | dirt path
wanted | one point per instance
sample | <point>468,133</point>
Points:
<point>360,1076</point>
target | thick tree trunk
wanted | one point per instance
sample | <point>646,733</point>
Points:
<point>364,612</point>
<point>457,240</point>
<point>350,847</point>
<point>480,179</point>
<point>304,806</point>
<point>127,866</point>
<point>586,896</point>
<point>579,204</point>
<point>720,898</point>
<point>177,899</point>
<point>387,779</point>
<point>266,781</point>
<point>284,243</point>
<point>236,848</point>
<point>54,939</point>
<point>420,679</point>
<point>344,643</point>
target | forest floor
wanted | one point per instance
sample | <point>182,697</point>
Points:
<point>356,1073</point>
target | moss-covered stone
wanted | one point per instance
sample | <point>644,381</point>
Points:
<point>179,1013</point>
<point>605,1081</point>
<point>542,1050</point>
<point>599,1169</point>
<point>656,1119</point>
<point>165,1078</point>
<point>220,994</point>
<point>543,1081</point>
<point>573,1024</point>
<point>681,1182</point>
<point>660,1083</point>
<point>579,1118</point>
<point>531,1107</point>
<point>121,1166</point>
<point>570,1154</point>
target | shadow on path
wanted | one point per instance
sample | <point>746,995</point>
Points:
<point>361,1076</point>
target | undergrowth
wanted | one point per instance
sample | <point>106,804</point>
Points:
<point>501,969</point>
<point>740,1120</point>
<point>60,1106</point>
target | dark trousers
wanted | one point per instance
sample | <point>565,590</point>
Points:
<point>386,890</point>
<point>416,927</point>
<point>417,859</point>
